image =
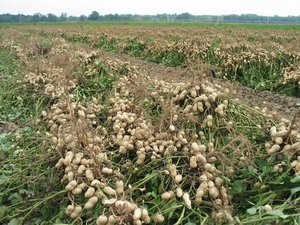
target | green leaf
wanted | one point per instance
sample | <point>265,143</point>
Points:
<point>151,194</point>
<point>15,198</point>
<point>3,179</point>
<point>3,211</point>
<point>296,179</point>
<point>13,221</point>
<point>59,222</point>
<point>278,213</point>
<point>294,190</point>
<point>252,211</point>
<point>252,170</point>
<point>238,187</point>
<point>170,214</point>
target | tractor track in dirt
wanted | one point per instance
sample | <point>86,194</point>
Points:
<point>280,106</point>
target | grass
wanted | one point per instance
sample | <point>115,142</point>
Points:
<point>8,63</point>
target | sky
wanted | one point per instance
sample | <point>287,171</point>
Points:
<point>196,7</point>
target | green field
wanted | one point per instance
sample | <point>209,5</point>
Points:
<point>166,24</point>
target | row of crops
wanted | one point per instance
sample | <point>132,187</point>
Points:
<point>104,143</point>
<point>273,68</point>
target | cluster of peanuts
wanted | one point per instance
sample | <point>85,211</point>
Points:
<point>202,98</point>
<point>82,142</point>
<point>291,74</point>
<point>46,77</point>
<point>284,139</point>
<point>230,56</point>
<point>132,133</point>
<point>91,62</point>
<point>296,165</point>
<point>49,82</point>
<point>59,46</point>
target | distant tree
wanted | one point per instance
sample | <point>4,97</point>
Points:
<point>109,17</point>
<point>63,17</point>
<point>52,17</point>
<point>147,17</point>
<point>36,17</point>
<point>43,18</point>
<point>73,18</point>
<point>82,18</point>
<point>94,16</point>
<point>8,18</point>
<point>184,16</point>
<point>163,17</point>
<point>231,18</point>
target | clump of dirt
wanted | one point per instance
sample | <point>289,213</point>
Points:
<point>6,127</point>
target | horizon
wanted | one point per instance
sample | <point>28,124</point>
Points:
<point>154,7</point>
<point>59,14</point>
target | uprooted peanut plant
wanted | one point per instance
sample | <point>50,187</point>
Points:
<point>126,148</point>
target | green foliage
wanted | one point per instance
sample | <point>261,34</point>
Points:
<point>169,57</point>
<point>18,102</point>
<point>228,21</point>
<point>135,47</point>
<point>173,58</point>
<point>255,73</point>
<point>8,63</point>
<point>152,107</point>
<point>96,83</point>
<point>29,184</point>
<point>259,74</point>
<point>75,38</point>
<point>109,44</point>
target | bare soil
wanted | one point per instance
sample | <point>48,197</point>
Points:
<point>6,127</point>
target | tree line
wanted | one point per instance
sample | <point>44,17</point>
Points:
<point>95,16</point>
